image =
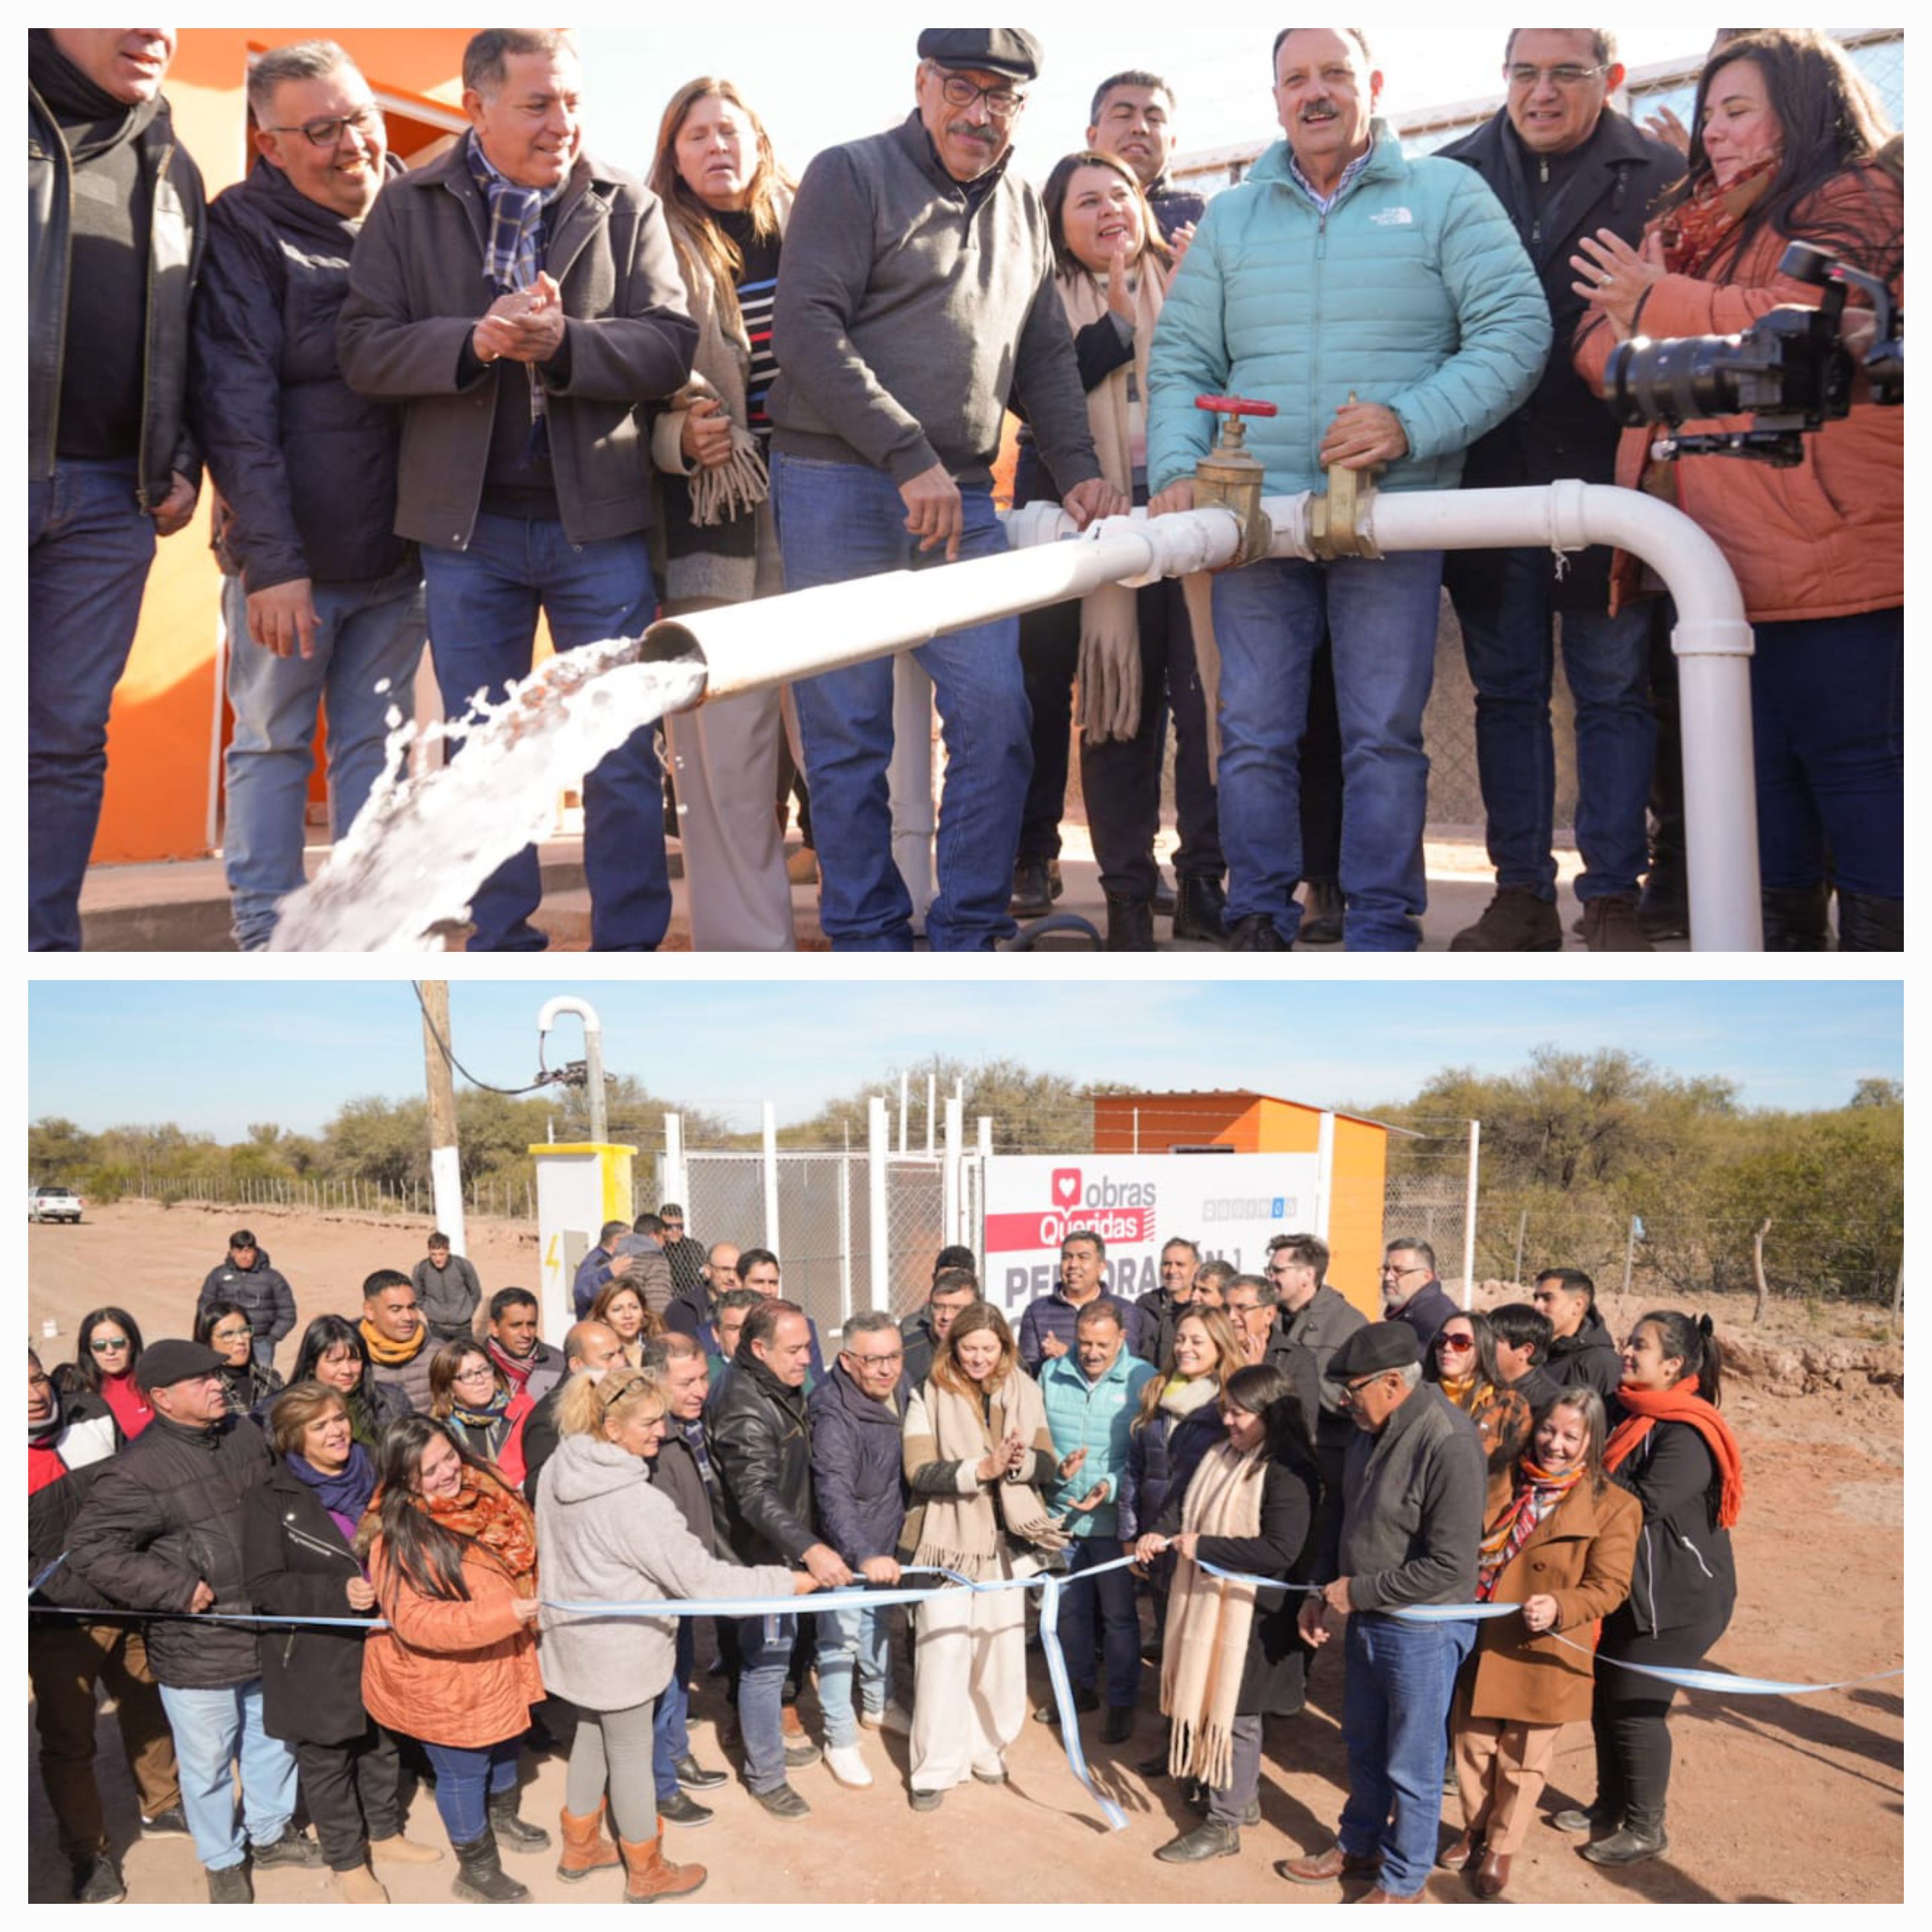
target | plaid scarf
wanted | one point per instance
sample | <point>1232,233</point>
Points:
<point>513,251</point>
<point>693,1432</point>
<point>1537,1493</point>
<point>516,1368</point>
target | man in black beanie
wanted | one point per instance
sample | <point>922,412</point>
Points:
<point>114,240</point>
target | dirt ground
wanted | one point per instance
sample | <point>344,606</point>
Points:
<point>1773,1799</point>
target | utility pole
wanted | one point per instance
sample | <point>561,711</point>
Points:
<point>445,1164</point>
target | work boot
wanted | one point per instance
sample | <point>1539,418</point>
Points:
<point>649,1874</point>
<point>397,1849</point>
<point>1664,910</point>
<point>1327,1868</point>
<point>510,1829</point>
<point>1036,884</point>
<point>292,1848</point>
<point>586,1848</point>
<point>1117,1726</point>
<point>1129,926</point>
<point>1200,1796</point>
<point>1611,924</point>
<point>1210,1840</point>
<point>1257,933</point>
<point>1321,909</point>
<point>1869,925</point>
<point>1795,920</point>
<point>230,1886</point>
<point>1642,1836</point>
<point>359,1885</point>
<point>1198,904</point>
<point>97,1880</point>
<point>1518,919</point>
<point>480,1876</point>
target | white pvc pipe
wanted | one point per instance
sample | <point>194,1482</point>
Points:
<point>879,1259</point>
<point>771,1175</point>
<point>909,782</point>
<point>748,646</point>
<point>1469,1216</point>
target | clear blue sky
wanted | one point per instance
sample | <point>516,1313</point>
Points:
<point>215,1056</point>
<point>833,78</point>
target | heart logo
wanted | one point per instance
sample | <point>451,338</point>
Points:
<point>1067,1186</point>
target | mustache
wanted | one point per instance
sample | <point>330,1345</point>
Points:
<point>964,131</point>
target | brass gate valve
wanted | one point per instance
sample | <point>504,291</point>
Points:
<point>1228,476</point>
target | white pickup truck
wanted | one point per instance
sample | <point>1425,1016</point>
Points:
<point>53,1204</point>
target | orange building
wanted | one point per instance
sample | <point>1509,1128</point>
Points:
<point>1353,1153</point>
<point>168,725</point>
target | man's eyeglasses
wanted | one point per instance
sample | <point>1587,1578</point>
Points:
<point>367,121</point>
<point>1002,103</point>
<point>1523,75</point>
<point>1389,1268</point>
<point>1349,1391</point>
<point>881,1361</point>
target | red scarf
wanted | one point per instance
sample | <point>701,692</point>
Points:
<point>517,1367</point>
<point>1682,1403</point>
<point>1697,232</point>
<point>490,1513</point>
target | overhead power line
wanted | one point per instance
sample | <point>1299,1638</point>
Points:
<point>548,1079</point>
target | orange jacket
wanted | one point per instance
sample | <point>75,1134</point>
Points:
<point>459,1673</point>
<point>1827,538</point>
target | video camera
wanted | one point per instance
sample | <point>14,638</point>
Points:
<point>1791,371</point>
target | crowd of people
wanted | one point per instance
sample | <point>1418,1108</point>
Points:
<point>433,403</point>
<point>420,1560</point>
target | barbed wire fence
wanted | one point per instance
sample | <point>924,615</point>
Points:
<point>504,1197</point>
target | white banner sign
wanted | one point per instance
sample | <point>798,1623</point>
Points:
<point>1228,1204</point>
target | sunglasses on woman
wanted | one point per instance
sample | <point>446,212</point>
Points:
<point>1456,1344</point>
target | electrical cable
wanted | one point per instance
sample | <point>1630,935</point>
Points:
<point>443,1047</point>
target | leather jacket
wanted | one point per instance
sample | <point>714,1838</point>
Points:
<point>177,228</point>
<point>761,1447</point>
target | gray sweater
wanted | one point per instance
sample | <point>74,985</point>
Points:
<point>1412,1507</point>
<point>910,312</point>
<point>608,1536</point>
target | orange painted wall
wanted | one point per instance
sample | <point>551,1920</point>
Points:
<point>165,729</point>
<point>1255,1123</point>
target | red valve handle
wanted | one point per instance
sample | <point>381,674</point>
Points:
<point>1234,405</point>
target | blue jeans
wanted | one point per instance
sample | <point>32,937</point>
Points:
<point>483,607</point>
<point>1828,721</point>
<point>1268,619</point>
<point>1111,1597</point>
<point>838,521</point>
<point>213,1729</point>
<point>670,1734</point>
<point>1396,1690</point>
<point>369,635</point>
<point>850,1641</point>
<point>465,1780</point>
<point>764,1655</point>
<point>1504,611</point>
<point>89,544</point>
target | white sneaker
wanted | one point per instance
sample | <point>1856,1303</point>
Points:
<point>894,1717</point>
<point>845,1764</point>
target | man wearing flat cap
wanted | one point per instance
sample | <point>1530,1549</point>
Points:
<point>916,295</point>
<point>1411,1520</point>
<point>161,1531</point>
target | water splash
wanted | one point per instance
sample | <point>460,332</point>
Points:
<point>405,873</point>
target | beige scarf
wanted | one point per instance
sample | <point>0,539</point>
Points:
<point>1110,695</point>
<point>1208,1621</point>
<point>962,1533</point>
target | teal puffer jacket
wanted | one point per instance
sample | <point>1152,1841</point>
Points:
<point>1412,291</point>
<point>1096,1416</point>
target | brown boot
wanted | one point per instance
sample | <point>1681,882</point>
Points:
<point>586,1848</point>
<point>1516,920</point>
<point>1491,1878</point>
<point>1612,925</point>
<point>399,1850</point>
<point>648,1875</point>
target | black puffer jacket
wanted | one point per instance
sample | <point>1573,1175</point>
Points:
<point>1588,1359</point>
<point>165,1515</point>
<point>306,467</point>
<point>87,1440</point>
<point>177,218</point>
<point>858,1469</point>
<point>297,1563</point>
<point>761,1435</point>
<point>263,1292</point>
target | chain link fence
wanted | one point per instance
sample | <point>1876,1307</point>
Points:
<point>502,1196</point>
<point>1426,1193</point>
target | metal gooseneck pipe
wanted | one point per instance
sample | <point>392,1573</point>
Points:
<point>747,646</point>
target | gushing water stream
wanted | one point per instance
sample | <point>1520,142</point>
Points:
<point>422,845</point>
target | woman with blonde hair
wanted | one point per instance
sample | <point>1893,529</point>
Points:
<point>1134,650</point>
<point>1232,1654</point>
<point>610,1536</point>
<point>620,1305</point>
<point>1562,1546</point>
<point>726,199</point>
<point>977,1453</point>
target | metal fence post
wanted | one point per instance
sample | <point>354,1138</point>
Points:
<point>875,1176</point>
<point>772,1178</point>
<point>1469,1218</point>
<point>949,1212</point>
<point>844,1237</point>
